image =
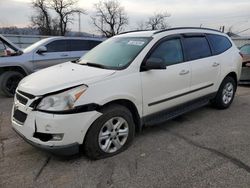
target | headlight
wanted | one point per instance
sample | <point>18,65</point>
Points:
<point>62,101</point>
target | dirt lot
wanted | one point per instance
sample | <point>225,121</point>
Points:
<point>204,148</point>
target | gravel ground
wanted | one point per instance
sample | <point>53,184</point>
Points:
<point>203,148</point>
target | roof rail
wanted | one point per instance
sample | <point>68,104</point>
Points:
<point>176,28</point>
<point>132,31</point>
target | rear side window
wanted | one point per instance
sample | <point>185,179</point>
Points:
<point>93,43</point>
<point>169,51</point>
<point>196,48</point>
<point>219,43</point>
<point>83,45</point>
<point>79,45</point>
<point>57,46</point>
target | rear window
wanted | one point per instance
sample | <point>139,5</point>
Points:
<point>196,48</point>
<point>219,43</point>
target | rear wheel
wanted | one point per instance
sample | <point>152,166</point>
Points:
<point>9,81</point>
<point>111,133</point>
<point>225,94</point>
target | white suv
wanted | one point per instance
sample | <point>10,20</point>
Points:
<point>131,80</point>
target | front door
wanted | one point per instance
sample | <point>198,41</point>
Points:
<point>57,52</point>
<point>166,88</point>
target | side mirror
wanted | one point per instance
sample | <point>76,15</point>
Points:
<point>154,63</point>
<point>41,50</point>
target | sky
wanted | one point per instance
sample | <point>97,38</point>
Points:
<point>208,13</point>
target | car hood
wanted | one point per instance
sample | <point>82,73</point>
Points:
<point>61,77</point>
<point>10,44</point>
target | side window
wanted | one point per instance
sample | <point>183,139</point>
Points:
<point>57,46</point>
<point>79,45</point>
<point>219,43</point>
<point>196,48</point>
<point>94,43</point>
<point>245,49</point>
<point>169,51</point>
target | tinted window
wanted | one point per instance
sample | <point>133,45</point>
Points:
<point>79,45</point>
<point>93,43</point>
<point>245,49</point>
<point>219,43</point>
<point>57,46</point>
<point>196,48</point>
<point>169,51</point>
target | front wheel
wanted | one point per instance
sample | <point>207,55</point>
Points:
<point>9,81</point>
<point>111,133</point>
<point>225,94</point>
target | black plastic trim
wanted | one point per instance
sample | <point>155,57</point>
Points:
<point>26,94</point>
<point>64,150</point>
<point>175,111</point>
<point>179,95</point>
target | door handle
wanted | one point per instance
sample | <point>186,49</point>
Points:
<point>183,72</point>
<point>215,64</point>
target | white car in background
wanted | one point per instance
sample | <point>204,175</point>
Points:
<point>16,63</point>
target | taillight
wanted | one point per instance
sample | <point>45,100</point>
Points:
<point>241,54</point>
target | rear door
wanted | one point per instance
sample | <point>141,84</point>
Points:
<point>205,67</point>
<point>57,52</point>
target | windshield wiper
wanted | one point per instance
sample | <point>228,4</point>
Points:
<point>95,65</point>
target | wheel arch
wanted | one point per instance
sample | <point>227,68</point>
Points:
<point>13,68</point>
<point>132,108</point>
<point>233,75</point>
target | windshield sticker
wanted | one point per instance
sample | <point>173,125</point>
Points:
<point>135,43</point>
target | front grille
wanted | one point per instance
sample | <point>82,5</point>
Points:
<point>21,99</point>
<point>20,116</point>
<point>26,94</point>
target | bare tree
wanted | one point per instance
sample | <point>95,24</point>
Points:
<point>42,19</point>
<point>154,22</point>
<point>65,10</point>
<point>110,18</point>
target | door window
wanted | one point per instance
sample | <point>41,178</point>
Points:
<point>83,45</point>
<point>79,45</point>
<point>196,48</point>
<point>57,46</point>
<point>169,51</point>
<point>219,43</point>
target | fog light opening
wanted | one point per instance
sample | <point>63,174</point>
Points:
<point>45,137</point>
<point>57,137</point>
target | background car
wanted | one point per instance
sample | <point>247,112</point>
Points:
<point>16,63</point>
<point>245,74</point>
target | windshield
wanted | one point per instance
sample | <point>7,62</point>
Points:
<point>34,46</point>
<point>115,53</point>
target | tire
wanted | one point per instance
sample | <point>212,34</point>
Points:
<point>95,146</point>
<point>225,95</point>
<point>9,81</point>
